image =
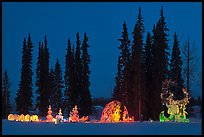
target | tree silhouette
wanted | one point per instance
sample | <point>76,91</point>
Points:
<point>86,102</point>
<point>6,104</point>
<point>24,94</point>
<point>69,78</point>
<point>42,76</point>
<point>59,86</point>
<point>137,71</point>
<point>176,68</point>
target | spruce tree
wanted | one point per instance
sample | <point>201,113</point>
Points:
<point>86,101</point>
<point>69,77</point>
<point>59,86</point>
<point>42,75</point>
<point>24,94</point>
<point>156,75</point>
<point>78,73</point>
<point>125,56</point>
<point>117,87</point>
<point>137,71</point>
<point>39,78</point>
<point>6,104</point>
<point>46,57</point>
<point>42,78</point>
<point>176,68</point>
<point>163,42</point>
<point>148,76</point>
<point>30,71</point>
<point>52,89</point>
<point>121,86</point>
<point>160,70</point>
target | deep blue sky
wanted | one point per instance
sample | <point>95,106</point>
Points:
<point>102,21</point>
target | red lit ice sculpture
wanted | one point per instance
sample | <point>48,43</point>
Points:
<point>49,116</point>
<point>74,117</point>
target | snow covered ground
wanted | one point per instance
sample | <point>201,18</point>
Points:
<point>134,128</point>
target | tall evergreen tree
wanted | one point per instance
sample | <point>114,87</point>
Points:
<point>137,71</point>
<point>78,73</point>
<point>52,89</point>
<point>46,57</point>
<point>148,76</point>
<point>6,104</point>
<point>30,71</point>
<point>59,86</point>
<point>162,43</point>
<point>69,77</point>
<point>176,68</point>
<point>24,94</point>
<point>121,86</point>
<point>42,74</point>
<point>125,57</point>
<point>39,78</point>
<point>160,70</point>
<point>118,79</point>
<point>86,101</point>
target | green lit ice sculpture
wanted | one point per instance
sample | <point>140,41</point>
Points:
<point>176,108</point>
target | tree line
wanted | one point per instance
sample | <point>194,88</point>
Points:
<point>142,66</point>
<point>52,88</point>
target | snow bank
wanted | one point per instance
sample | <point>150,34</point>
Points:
<point>133,128</point>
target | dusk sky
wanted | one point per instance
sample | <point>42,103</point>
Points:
<point>102,21</point>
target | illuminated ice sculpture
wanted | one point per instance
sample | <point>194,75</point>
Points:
<point>59,117</point>
<point>73,116</point>
<point>176,108</point>
<point>113,112</point>
<point>49,116</point>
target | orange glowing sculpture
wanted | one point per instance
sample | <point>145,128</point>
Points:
<point>73,116</point>
<point>21,117</point>
<point>16,117</point>
<point>112,112</point>
<point>125,115</point>
<point>49,116</point>
<point>34,118</point>
<point>84,119</point>
<point>11,117</point>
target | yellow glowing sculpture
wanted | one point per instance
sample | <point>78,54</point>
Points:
<point>21,117</point>
<point>34,118</point>
<point>176,108</point>
<point>27,117</point>
<point>116,114</point>
<point>11,117</point>
<point>16,117</point>
<point>112,112</point>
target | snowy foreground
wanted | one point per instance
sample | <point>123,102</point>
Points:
<point>133,128</point>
